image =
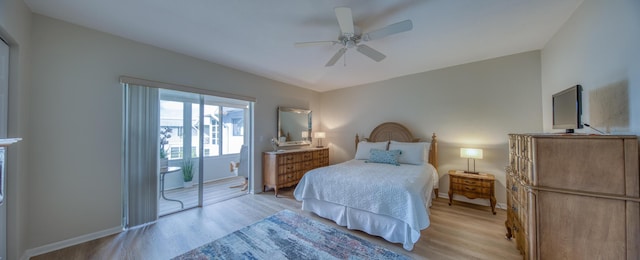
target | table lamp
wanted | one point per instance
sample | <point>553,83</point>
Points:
<point>319,136</point>
<point>471,153</point>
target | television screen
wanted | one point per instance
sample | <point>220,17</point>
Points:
<point>567,109</point>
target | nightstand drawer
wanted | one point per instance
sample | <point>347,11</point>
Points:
<point>471,182</point>
<point>471,188</point>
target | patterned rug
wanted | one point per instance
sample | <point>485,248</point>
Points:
<point>287,235</point>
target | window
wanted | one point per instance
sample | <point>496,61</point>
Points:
<point>176,153</point>
<point>210,119</point>
<point>222,124</point>
<point>238,127</point>
<point>233,129</point>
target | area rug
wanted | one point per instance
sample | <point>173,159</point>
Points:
<point>287,235</point>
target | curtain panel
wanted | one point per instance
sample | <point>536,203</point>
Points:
<point>141,146</point>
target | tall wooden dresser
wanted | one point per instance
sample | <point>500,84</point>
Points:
<point>574,196</point>
<point>286,168</point>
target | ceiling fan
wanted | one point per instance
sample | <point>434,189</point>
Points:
<point>349,39</point>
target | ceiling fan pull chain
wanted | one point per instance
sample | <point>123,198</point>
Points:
<point>345,59</point>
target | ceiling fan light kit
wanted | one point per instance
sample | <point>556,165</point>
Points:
<point>348,39</point>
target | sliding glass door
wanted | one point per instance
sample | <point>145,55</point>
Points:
<point>181,149</point>
<point>179,129</point>
<point>203,136</point>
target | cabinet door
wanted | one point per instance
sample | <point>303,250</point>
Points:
<point>587,165</point>
<point>582,227</point>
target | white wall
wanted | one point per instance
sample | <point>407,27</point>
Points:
<point>598,47</point>
<point>15,27</point>
<point>73,112</point>
<point>75,121</point>
<point>472,105</point>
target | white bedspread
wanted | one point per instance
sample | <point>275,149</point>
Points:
<point>401,192</point>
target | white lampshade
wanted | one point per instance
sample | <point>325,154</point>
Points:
<point>305,134</point>
<point>319,135</point>
<point>471,153</point>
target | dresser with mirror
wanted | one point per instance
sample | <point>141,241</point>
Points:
<point>293,156</point>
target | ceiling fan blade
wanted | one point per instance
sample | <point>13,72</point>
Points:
<point>319,43</point>
<point>398,27</point>
<point>345,19</point>
<point>371,53</point>
<point>336,57</point>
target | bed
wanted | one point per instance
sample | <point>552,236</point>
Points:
<point>372,192</point>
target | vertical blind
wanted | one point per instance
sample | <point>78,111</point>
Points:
<point>141,125</point>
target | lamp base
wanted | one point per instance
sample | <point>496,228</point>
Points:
<point>471,172</point>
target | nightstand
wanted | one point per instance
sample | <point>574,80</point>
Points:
<point>473,186</point>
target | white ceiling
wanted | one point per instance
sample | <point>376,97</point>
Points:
<point>257,36</point>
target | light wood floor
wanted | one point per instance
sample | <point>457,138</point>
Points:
<point>461,231</point>
<point>213,192</point>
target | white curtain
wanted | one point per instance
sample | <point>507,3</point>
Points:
<point>141,144</point>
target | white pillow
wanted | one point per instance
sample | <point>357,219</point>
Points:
<point>364,147</point>
<point>412,153</point>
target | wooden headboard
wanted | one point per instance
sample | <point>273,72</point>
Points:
<point>393,131</point>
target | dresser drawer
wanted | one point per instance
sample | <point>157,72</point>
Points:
<point>288,158</point>
<point>288,168</point>
<point>306,157</point>
<point>288,178</point>
<point>321,162</point>
<point>305,166</point>
<point>321,154</point>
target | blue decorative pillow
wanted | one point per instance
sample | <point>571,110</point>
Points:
<point>382,156</point>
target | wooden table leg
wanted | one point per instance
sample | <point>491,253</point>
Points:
<point>493,204</point>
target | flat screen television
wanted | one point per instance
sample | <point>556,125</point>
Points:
<point>567,109</point>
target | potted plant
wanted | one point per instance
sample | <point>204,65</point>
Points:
<point>165,134</point>
<point>187,172</point>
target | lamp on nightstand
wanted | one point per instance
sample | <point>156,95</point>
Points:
<point>319,136</point>
<point>471,153</point>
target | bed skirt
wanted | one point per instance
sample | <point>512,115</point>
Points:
<point>391,229</point>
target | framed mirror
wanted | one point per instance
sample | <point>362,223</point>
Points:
<point>294,126</point>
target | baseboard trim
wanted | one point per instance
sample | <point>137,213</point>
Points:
<point>69,242</point>
<point>482,202</point>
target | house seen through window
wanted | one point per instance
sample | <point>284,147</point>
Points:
<point>222,130</point>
